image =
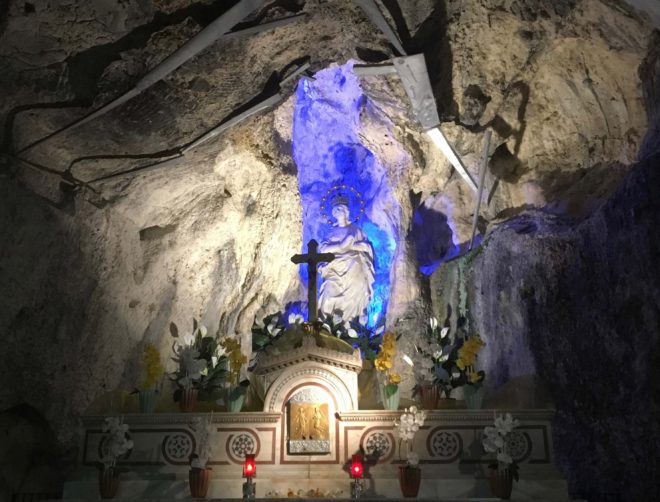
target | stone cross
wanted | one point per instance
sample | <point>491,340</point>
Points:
<point>312,258</point>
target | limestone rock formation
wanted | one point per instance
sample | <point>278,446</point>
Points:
<point>101,252</point>
<point>573,304</point>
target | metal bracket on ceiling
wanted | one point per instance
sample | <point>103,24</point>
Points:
<point>210,34</point>
<point>415,80</point>
<point>376,16</point>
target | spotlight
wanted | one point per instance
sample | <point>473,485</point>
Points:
<point>441,142</point>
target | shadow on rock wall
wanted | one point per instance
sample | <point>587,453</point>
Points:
<point>31,463</point>
<point>582,301</point>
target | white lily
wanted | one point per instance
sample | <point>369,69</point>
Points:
<point>407,360</point>
<point>413,458</point>
<point>202,329</point>
<point>295,318</point>
<point>351,333</point>
<point>444,332</point>
<point>504,458</point>
<point>214,361</point>
<point>272,328</point>
<point>433,323</point>
<point>380,330</point>
<point>336,319</point>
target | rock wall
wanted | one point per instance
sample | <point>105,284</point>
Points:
<point>92,270</point>
<point>574,304</point>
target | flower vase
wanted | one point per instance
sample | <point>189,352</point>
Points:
<point>199,482</point>
<point>390,396</point>
<point>474,396</point>
<point>409,480</point>
<point>501,483</point>
<point>429,396</point>
<point>148,399</point>
<point>108,483</point>
<point>188,400</point>
<point>235,403</point>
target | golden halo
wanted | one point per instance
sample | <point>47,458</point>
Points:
<point>338,189</point>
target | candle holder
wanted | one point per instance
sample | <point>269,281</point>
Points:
<point>249,471</point>
<point>357,471</point>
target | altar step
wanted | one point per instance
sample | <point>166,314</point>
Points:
<point>363,499</point>
<point>280,489</point>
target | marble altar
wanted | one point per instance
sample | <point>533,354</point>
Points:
<point>449,446</point>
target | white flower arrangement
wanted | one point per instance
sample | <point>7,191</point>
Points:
<point>200,362</point>
<point>432,350</point>
<point>202,428</point>
<point>410,421</point>
<point>337,326</point>
<point>191,366</point>
<point>117,441</point>
<point>494,440</point>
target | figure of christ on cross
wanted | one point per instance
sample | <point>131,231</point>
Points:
<point>312,258</point>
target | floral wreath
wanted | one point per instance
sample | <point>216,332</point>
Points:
<point>341,191</point>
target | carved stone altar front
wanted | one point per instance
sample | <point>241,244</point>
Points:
<point>449,446</point>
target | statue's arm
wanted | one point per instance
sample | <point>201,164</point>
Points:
<point>341,246</point>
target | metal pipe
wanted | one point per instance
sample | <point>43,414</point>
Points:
<point>191,48</point>
<point>482,179</point>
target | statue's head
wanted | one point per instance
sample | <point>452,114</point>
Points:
<point>340,211</point>
<point>341,214</point>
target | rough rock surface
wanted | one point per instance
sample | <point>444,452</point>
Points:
<point>575,304</point>
<point>97,269</point>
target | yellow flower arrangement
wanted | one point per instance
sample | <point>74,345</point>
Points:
<point>236,358</point>
<point>467,354</point>
<point>385,359</point>
<point>153,368</point>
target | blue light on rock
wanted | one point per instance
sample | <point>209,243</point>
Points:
<point>328,152</point>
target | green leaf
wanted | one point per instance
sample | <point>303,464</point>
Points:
<point>238,391</point>
<point>390,389</point>
<point>174,331</point>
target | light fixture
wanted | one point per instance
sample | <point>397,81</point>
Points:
<point>249,471</point>
<point>357,471</point>
<point>441,142</point>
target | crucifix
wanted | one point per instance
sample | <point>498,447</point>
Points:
<point>312,258</point>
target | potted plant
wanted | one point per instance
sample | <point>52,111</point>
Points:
<point>199,475</point>
<point>472,379</point>
<point>388,379</point>
<point>152,371</point>
<point>410,475</point>
<point>433,363</point>
<point>237,388</point>
<point>116,442</point>
<point>504,469</point>
<point>201,370</point>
